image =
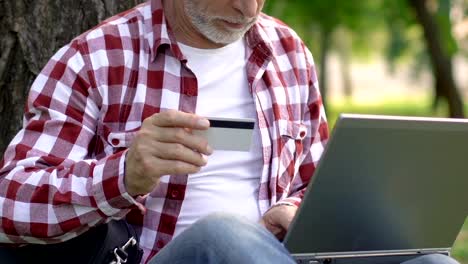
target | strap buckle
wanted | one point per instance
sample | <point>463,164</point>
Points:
<point>120,253</point>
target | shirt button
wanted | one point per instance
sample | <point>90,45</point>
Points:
<point>115,141</point>
<point>302,134</point>
<point>174,194</point>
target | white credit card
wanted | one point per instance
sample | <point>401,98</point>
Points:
<point>232,134</point>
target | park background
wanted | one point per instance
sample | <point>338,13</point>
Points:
<point>398,57</point>
<point>394,57</point>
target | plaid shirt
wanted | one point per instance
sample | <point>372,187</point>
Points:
<point>64,171</point>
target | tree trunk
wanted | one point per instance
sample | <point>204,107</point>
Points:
<point>325,36</point>
<point>30,33</point>
<point>343,43</point>
<point>445,86</point>
<point>346,75</point>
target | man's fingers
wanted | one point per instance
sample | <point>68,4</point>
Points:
<point>164,146</point>
<point>179,152</point>
<point>275,229</point>
<point>144,168</point>
<point>174,127</point>
<point>174,118</point>
<point>154,152</point>
<point>184,137</point>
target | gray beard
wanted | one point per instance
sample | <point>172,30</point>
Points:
<point>205,26</point>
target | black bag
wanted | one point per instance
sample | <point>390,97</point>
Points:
<point>115,242</point>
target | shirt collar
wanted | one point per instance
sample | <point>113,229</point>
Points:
<point>259,44</point>
<point>160,35</point>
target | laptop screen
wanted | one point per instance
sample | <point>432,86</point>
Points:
<point>386,183</point>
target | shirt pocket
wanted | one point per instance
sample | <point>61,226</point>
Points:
<point>291,149</point>
<point>292,130</point>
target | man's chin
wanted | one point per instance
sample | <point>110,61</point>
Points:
<point>225,41</point>
<point>226,37</point>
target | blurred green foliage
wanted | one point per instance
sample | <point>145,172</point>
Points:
<point>389,29</point>
<point>311,18</point>
<point>386,28</point>
<point>376,26</point>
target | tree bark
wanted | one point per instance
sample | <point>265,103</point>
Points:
<point>343,47</point>
<point>325,36</point>
<point>445,86</point>
<point>30,33</point>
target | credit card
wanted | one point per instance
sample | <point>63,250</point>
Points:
<point>229,134</point>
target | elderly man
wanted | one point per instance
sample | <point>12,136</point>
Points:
<point>108,134</point>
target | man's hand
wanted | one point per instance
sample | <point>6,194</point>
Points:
<point>163,146</point>
<point>278,219</point>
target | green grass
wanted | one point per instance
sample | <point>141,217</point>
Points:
<point>460,248</point>
<point>408,107</point>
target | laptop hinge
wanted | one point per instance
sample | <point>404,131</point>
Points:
<point>358,254</point>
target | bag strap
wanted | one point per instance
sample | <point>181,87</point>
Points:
<point>113,243</point>
<point>121,254</point>
<point>126,251</point>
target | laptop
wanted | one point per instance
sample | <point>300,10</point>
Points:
<point>387,189</point>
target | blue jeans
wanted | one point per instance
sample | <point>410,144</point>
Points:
<point>225,238</point>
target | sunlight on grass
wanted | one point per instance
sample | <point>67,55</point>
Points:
<point>460,248</point>
<point>406,107</point>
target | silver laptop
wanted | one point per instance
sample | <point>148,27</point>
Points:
<point>387,189</point>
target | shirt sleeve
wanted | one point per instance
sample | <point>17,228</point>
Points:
<point>317,137</point>
<point>52,186</point>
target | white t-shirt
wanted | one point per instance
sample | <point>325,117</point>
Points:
<point>231,179</point>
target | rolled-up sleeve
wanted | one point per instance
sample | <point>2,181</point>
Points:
<point>52,186</point>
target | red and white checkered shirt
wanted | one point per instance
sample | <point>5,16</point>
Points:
<point>64,171</point>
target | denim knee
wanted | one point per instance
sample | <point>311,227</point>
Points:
<point>231,228</point>
<point>224,238</point>
<point>224,222</point>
